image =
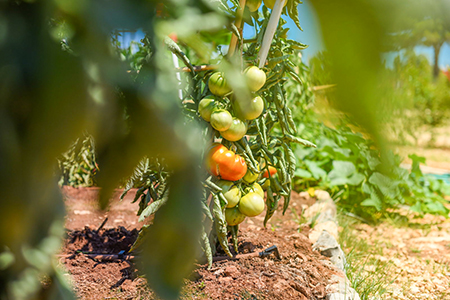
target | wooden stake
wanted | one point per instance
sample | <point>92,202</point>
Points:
<point>270,31</point>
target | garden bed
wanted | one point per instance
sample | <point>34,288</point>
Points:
<point>300,273</point>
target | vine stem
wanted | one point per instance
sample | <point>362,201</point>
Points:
<point>270,31</point>
<point>237,23</point>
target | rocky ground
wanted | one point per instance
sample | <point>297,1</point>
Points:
<point>416,254</point>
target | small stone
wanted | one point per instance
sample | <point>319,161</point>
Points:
<point>304,195</point>
<point>414,290</point>
<point>81,212</point>
<point>225,279</point>
<point>232,271</point>
<point>321,195</point>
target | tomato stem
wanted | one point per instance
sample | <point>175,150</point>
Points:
<point>238,24</point>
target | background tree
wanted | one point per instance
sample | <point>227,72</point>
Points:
<point>423,23</point>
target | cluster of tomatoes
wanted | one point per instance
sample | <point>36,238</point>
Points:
<point>245,200</point>
<point>232,128</point>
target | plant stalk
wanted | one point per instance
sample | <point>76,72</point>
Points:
<point>237,23</point>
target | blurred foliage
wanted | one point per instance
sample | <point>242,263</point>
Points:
<point>412,102</point>
<point>419,102</point>
<point>50,97</point>
<point>320,68</point>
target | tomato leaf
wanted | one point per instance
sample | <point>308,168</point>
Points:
<point>293,11</point>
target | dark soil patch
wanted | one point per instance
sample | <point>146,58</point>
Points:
<point>300,273</point>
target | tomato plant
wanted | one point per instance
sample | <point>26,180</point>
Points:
<point>242,97</point>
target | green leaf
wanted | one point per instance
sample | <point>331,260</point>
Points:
<point>316,171</point>
<point>435,207</point>
<point>372,161</point>
<point>152,208</point>
<point>302,173</point>
<point>374,201</point>
<point>342,169</point>
<point>221,225</point>
<point>417,207</point>
<point>356,179</point>
<point>293,12</point>
<point>387,186</point>
<point>297,45</point>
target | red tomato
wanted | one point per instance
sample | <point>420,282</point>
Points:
<point>174,37</point>
<point>225,164</point>
<point>272,171</point>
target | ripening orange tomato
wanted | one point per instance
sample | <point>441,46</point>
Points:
<point>224,163</point>
<point>272,171</point>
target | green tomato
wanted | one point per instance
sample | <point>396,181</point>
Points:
<point>256,188</point>
<point>218,84</point>
<point>249,110</point>
<point>231,192</point>
<point>206,107</point>
<point>236,131</point>
<point>251,204</point>
<point>233,216</point>
<point>221,119</point>
<point>255,78</point>
<point>251,177</point>
<point>270,3</point>
<point>253,5</point>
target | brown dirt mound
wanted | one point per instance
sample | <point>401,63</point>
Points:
<point>300,273</point>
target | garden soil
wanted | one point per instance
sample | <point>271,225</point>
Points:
<point>300,273</point>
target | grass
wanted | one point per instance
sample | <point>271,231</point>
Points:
<point>369,276</point>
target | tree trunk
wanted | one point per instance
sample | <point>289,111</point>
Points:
<point>437,50</point>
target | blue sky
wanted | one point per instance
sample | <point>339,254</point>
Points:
<point>311,36</point>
